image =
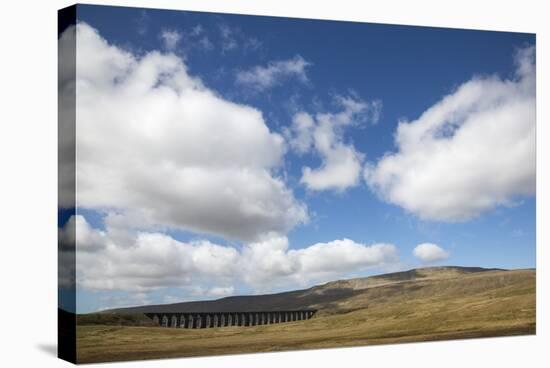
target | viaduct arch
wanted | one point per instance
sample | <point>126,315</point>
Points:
<point>226,319</point>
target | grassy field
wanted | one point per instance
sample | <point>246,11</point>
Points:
<point>446,306</point>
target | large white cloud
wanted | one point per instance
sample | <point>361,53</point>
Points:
<point>470,152</point>
<point>429,252</point>
<point>143,261</point>
<point>271,263</point>
<point>264,77</point>
<point>155,144</point>
<point>121,258</point>
<point>323,134</point>
<point>328,261</point>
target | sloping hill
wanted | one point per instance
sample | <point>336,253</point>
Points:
<point>330,297</point>
<point>417,305</point>
<point>428,273</point>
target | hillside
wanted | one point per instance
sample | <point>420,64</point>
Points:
<point>417,305</point>
<point>330,297</point>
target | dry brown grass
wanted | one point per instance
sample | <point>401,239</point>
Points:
<point>496,303</point>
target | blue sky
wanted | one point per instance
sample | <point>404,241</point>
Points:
<point>478,211</point>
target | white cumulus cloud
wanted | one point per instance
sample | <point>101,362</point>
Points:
<point>323,134</point>
<point>271,263</point>
<point>470,152</point>
<point>327,261</point>
<point>144,261</point>
<point>264,77</point>
<point>429,252</point>
<point>154,144</point>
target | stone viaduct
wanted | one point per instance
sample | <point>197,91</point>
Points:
<point>225,319</point>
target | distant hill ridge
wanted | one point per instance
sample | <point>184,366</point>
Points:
<point>325,296</point>
<point>427,273</point>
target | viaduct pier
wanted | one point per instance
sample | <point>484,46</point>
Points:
<point>226,319</point>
